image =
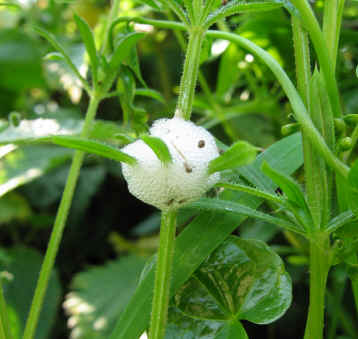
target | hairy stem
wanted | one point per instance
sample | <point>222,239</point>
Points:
<point>59,226</point>
<point>163,275</point>
<point>190,73</point>
<point>311,24</point>
<point>333,11</point>
<point>320,263</point>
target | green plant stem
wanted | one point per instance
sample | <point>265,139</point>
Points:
<point>296,102</point>
<point>190,73</point>
<point>333,11</point>
<point>320,262</point>
<point>216,107</point>
<point>163,275</point>
<point>108,24</point>
<point>5,332</point>
<point>310,23</point>
<point>59,225</point>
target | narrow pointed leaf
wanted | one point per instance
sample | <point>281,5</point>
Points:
<point>251,190</point>
<point>94,147</point>
<point>52,40</point>
<point>235,7</point>
<point>339,221</point>
<point>240,153</point>
<point>150,93</point>
<point>88,39</point>
<point>123,49</point>
<point>159,147</point>
<point>287,184</point>
<point>225,206</point>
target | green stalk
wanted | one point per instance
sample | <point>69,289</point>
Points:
<point>5,332</point>
<point>218,110</point>
<point>162,282</point>
<point>108,24</point>
<point>310,23</point>
<point>59,225</point>
<point>320,262</point>
<point>190,73</point>
<point>332,17</point>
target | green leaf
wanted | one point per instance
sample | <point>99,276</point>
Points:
<point>287,184</point>
<point>150,93</point>
<point>181,326</point>
<point>159,147</point>
<point>205,233</point>
<point>94,147</point>
<point>242,279</point>
<point>123,49</point>
<point>233,330</point>
<point>235,7</point>
<point>225,206</point>
<point>228,73</point>
<point>24,267</point>
<point>20,61</point>
<point>240,153</point>
<point>339,221</point>
<point>88,39</point>
<point>23,165</point>
<point>52,40</point>
<point>290,154</point>
<point>353,188</point>
<point>37,129</point>
<point>54,56</point>
<point>99,295</point>
<point>14,207</point>
<point>41,128</point>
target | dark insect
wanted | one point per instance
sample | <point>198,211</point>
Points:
<point>188,169</point>
<point>278,191</point>
<point>224,2</point>
<point>201,143</point>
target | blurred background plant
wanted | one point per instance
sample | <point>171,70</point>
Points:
<point>110,234</point>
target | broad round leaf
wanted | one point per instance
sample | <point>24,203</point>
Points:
<point>98,296</point>
<point>242,278</point>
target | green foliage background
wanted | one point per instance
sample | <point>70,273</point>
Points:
<point>109,234</point>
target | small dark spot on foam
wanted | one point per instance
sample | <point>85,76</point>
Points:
<point>201,143</point>
<point>170,202</point>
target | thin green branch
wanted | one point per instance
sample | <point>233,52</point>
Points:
<point>108,24</point>
<point>163,275</point>
<point>311,24</point>
<point>59,226</point>
<point>253,191</point>
<point>292,94</point>
<point>166,24</point>
<point>332,18</point>
<point>190,73</point>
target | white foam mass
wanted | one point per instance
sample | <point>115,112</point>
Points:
<point>186,178</point>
